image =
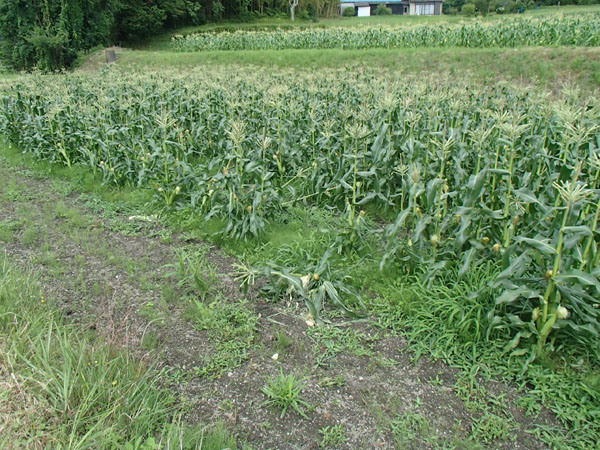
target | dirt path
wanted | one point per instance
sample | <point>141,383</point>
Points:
<point>177,303</point>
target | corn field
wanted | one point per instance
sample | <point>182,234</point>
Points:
<point>450,177</point>
<point>580,30</point>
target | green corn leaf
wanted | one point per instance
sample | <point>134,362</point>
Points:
<point>467,262</point>
<point>512,295</point>
<point>513,343</point>
<point>539,244</point>
<point>577,276</point>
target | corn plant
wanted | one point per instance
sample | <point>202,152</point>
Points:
<point>470,175</point>
<point>318,285</point>
<point>580,30</point>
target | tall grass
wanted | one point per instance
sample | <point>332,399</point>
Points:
<point>442,320</point>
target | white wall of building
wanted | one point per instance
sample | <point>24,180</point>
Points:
<point>364,11</point>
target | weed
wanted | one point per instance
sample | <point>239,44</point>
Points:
<point>410,428</point>
<point>490,428</point>
<point>333,382</point>
<point>8,230</point>
<point>62,188</point>
<point>194,272</point>
<point>329,341</point>
<point>285,392</point>
<point>384,361</point>
<point>15,192</point>
<point>150,340</point>
<point>332,436</point>
<point>30,236</point>
<point>437,381</point>
<point>283,341</point>
<point>168,293</point>
<point>218,437</point>
<point>153,312</point>
<point>231,327</point>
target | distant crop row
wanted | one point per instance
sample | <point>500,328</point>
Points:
<point>466,175</point>
<point>580,30</point>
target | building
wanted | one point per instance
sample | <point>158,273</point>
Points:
<point>408,7</point>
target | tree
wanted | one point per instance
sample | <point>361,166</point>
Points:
<point>382,10</point>
<point>48,34</point>
<point>482,6</point>
<point>468,10</point>
<point>293,4</point>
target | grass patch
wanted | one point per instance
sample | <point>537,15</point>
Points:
<point>412,428</point>
<point>78,177</point>
<point>444,322</point>
<point>330,341</point>
<point>332,436</point>
<point>30,236</point>
<point>66,389</point>
<point>195,275</point>
<point>231,327</point>
<point>8,230</point>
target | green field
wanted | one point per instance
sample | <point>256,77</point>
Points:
<point>163,41</point>
<point>335,248</point>
<point>569,30</point>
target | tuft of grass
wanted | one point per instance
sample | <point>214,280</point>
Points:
<point>194,272</point>
<point>285,392</point>
<point>30,236</point>
<point>332,436</point>
<point>8,230</point>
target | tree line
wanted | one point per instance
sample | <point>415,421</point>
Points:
<point>48,34</point>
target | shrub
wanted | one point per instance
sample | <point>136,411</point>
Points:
<point>483,6</point>
<point>312,11</point>
<point>302,15</point>
<point>383,10</point>
<point>511,7</point>
<point>497,6</point>
<point>348,12</point>
<point>468,10</point>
